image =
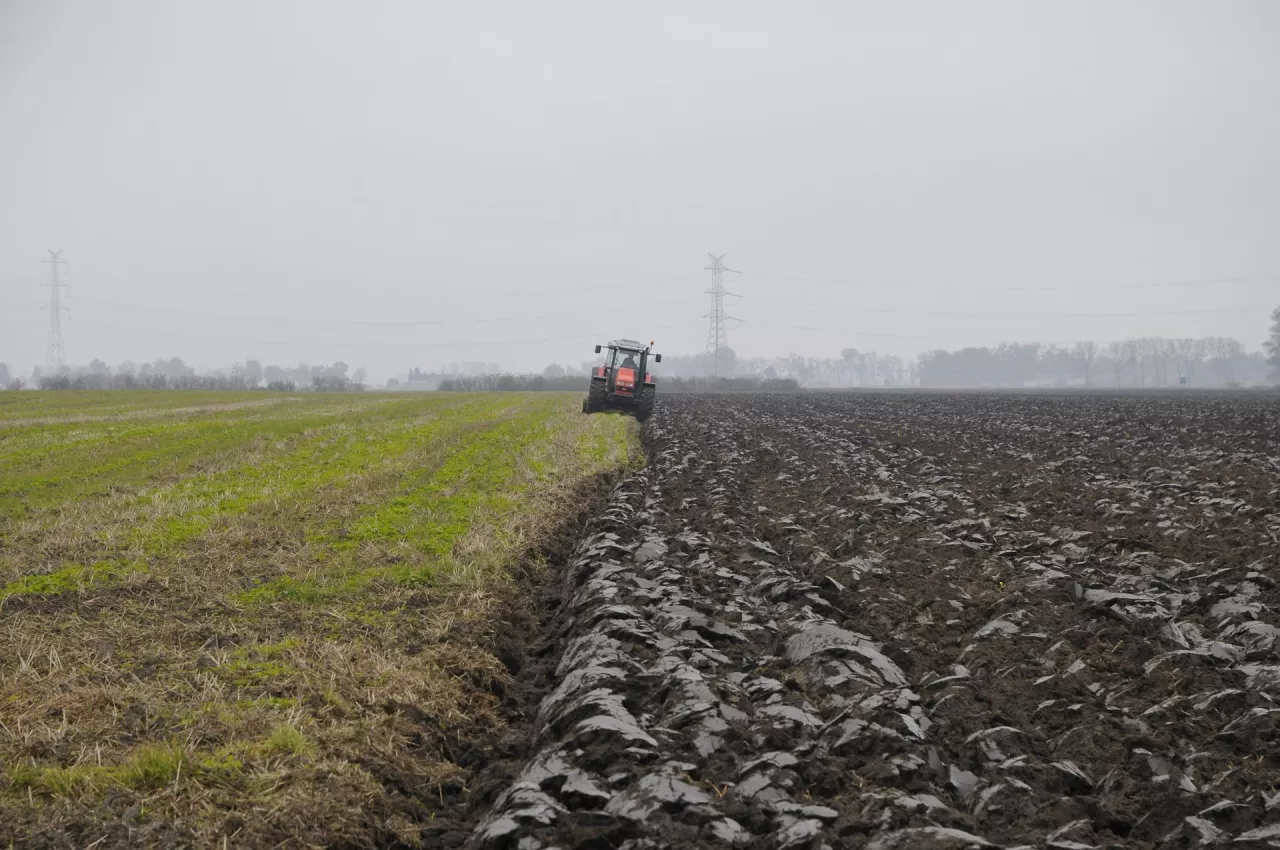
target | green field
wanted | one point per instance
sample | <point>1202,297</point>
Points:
<point>265,617</point>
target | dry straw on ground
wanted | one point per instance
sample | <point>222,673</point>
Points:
<point>265,622</point>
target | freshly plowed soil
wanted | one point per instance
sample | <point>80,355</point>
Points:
<point>912,621</point>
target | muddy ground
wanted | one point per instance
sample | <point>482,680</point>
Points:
<point>910,621</point>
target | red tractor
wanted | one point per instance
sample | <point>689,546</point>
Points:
<point>623,381</point>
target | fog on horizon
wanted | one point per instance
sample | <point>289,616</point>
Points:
<point>403,184</point>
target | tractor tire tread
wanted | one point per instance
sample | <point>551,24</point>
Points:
<point>597,395</point>
<point>644,404</point>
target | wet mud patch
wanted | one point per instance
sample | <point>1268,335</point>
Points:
<point>878,621</point>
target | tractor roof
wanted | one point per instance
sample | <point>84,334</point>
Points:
<point>627,344</point>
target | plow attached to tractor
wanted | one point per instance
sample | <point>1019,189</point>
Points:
<point>623,382</point>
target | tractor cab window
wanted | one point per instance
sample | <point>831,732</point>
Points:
<point>622,359</point>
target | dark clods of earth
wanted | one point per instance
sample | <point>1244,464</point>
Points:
<point>911,621</point>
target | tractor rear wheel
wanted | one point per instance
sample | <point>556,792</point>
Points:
<point>597,396</point>
<point>644,403</point>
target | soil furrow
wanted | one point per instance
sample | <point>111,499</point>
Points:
<point>797,628</point>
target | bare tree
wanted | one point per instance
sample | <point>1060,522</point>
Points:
<point>1136,355</point>
<point>1150,350</point>
<point>1163,351</point>
<point>1272,345</point>
<point>1086,352</point>
<point>1118,354</point>
<point>1183,352</point>
<point>1214,349</point>
<point>1232,350</point>
<point>850,358</point>
<point>1221,351</point>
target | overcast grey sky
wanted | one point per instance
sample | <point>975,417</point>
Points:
<point>402,184</point>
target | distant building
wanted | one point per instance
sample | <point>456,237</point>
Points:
<point>416,380</point>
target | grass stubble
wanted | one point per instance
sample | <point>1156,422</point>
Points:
<point>269,624</point>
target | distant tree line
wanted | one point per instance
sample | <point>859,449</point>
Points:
<point>1138,362</point>
<point>466,374</point>
<point>508,383</point>
<point>1148,362</point>
<point>127,381</point>
<point>739,384</point>
<point>174,374</point>
<point>535,383</point>
<point>1272,347</point>
<point>1134,363</point>
<point>854,368</point>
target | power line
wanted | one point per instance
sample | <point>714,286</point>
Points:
<point>55,352</point>
<point>457,289</point>
<point>345,344</point>
<point>848,332</point>
<point>490,295</point>
<point>717,335</point>
<point>844,282</point>
<point>304,320</point>
<point>819,305</point>
<point>858,332</point>
<point>32,305</point>
<point>1017,313</point>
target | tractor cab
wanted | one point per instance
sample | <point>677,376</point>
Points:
<point>623,363</point>
<point>624,380</point>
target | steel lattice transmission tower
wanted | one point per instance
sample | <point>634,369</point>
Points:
<point>717,335</point>
<point>55,354</point>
